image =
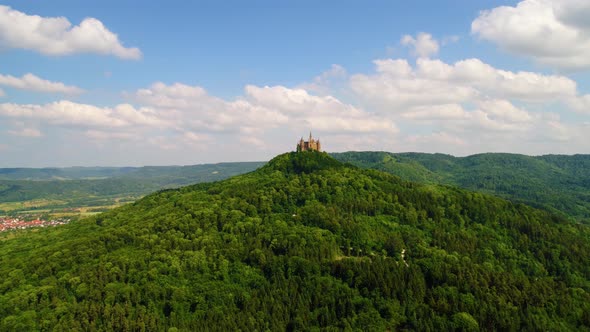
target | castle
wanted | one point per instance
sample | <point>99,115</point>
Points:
<point>311,145</point>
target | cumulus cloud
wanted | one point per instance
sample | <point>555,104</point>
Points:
<point>397,85</point>
<point>67,113</point>
<point>260,107</point>
<point>553,32</point>
<point>56,35</point>
<point>35,83</point>
<point>258,110</point>
<point>504,110</point>
<point>469,101</point>
<point>423,45</point>
<point>196,109</point>
<point>323,113</point>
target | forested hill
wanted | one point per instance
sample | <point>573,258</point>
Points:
<point>559,183</point>
<point>303,243</point>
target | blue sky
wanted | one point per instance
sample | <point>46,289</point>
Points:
<point>179,82</point>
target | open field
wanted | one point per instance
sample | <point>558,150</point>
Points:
<point>62,208</point>
<point>33,204</point>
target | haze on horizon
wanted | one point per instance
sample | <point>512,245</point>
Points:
<point>177,83</point>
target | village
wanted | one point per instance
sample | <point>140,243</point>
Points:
<point>16,223</point>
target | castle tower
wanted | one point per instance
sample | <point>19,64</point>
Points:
<point>311,145</point>
<point>300,145</point>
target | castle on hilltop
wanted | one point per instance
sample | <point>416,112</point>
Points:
<point>311,145</point>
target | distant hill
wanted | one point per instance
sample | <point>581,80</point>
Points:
<point>559,183</point>
<point>164,173</point>
<point>303,243</point>
<point>82,186</point>
<point>66,173</point>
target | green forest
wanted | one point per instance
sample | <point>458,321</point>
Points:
<point>304,243</point>
<point>559,183</point>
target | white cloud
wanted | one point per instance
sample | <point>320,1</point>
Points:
<point>488,120</point>
<point>67,113</point>
<point>26,132</point>
<point>397,86</point>
<point>192,107</point>
<point>497,82</point>
<point>2,93</point>
<point>423,45</point>
<point>57,36</point>
<point>325,113</point>
<point>505,111</point>
<point>176,95</point>
<point>469,106</point>
<point>177,115</point>
<point>260,107</point>
<point>553,32</point>
<point>34,83</point>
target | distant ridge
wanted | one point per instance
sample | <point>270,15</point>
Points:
<point>560,183</point>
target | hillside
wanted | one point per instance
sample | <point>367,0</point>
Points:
<point>555,182</point>
<point>96,186</point>
<point>303,243</point>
